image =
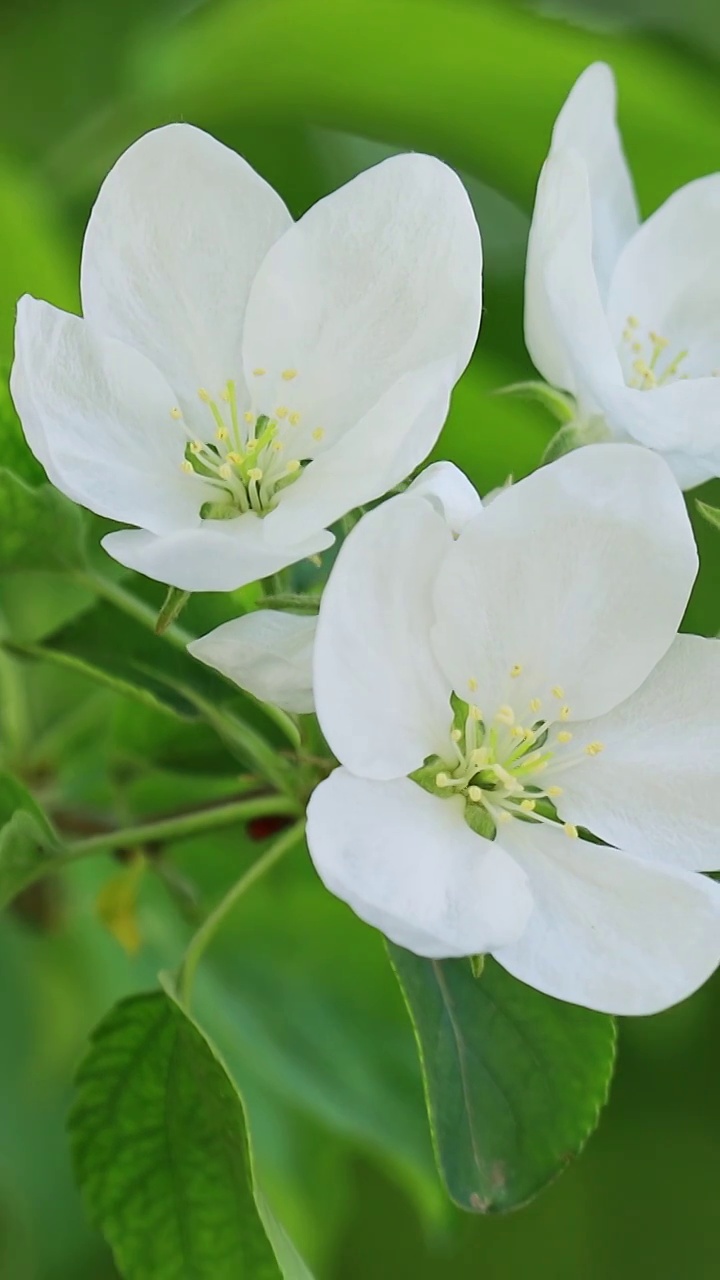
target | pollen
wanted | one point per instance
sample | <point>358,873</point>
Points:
<point>255,474</point>
<point>564,736</point>
<point>282,411</point>
<point>293,466</point>
<point>196,447</point>
<point>527,806</point>
<point>259,373</point>
<point>251,444</point>
<point>287,375</point>
<point>235,459</point>
<point>176,413</point>
<point>565,712</point>
<point>504,816</point>
<point>633,322</point>
<point>250,418</point>
<point>221,433</point>
<point>594,748</point>
<point>472,684</point>
<point>475,794</point>
<point>318,433</point>
<point>204,395</point>
<point>657,340</point>
<point>505,714</point>
<point>535,704</point>
<point>293,418</point>
<point>554,792</point>
<point>517,731</point>
<point>277,446</point>
<point>515,671</point>
<point>557,691</point>
<point>570,830</point>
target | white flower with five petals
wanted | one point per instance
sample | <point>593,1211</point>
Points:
<point>622,315</point>
<point>239,381</point>
<point>497,698</point>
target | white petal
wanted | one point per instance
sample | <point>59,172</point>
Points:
<point>379,278</point>
<point>97,415</point>
<point>176,236</point>
<point>668,277</point>
<point>607,930</point>
<point>587,124</point>
<point>219,555</point>
<point>407,863</point>
<point>450,491</point>
<point>579,575</point>
<point>655,788</point>
<point>680,420</point>
<point>268,653</point>
<point>374,456</point>
<point>566,330</point>
<point>381,700</point>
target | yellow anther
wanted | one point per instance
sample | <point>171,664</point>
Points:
<point>456,735</point>
<point>222,433</point>
<point>442,780</point>
<point>535,704</point>
<point>472,684</point>
<point>554,792</point>
<point>504,816</point>
<point>225,471</point>
<point>479,757</point>
<point>474,712</point>
<point>594,748</point>
<point>570,830</point>
<point>187,467</point>
<point>318,433</point>
<point>282,411</point>
<point>259,373</point>
<point>204,395</point>
<point>277,446</point>
<point>557,691</point>
<point>176,413</point>
<point>287,375</point>
<point>293,418</point>
<point>564,736</point>
<point>235,458</point>
<point>527,805</point>
<point>475,794</point>
<point>293,466</point>
<point>633,322</point>
<point>636,347</point>
<point>250,418</point>
<point>255,474</point>
<point>565,712</point>
<point>505,714</point>
<point>658,341</point>
<point>196,447</point>
<point>517,731</point>
<point>515,671</point>
<point>251,444</point>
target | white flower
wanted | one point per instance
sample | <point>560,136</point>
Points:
<point>525,681</point>
<point>240,381</point>
<point>271,654</point>
<point>626,317</point>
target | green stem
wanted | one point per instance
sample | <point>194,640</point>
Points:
<point>184,824</point>
<point>115,593</point>
<point>200,941</point>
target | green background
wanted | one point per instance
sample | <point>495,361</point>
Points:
<point>300,994</point>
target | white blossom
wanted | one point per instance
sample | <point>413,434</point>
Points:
<point>238,381</point>
<point>495,699</point>
<point>622,315</point>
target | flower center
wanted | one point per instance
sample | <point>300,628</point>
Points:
<point>498,764</point>
<point>645,354</point>
<point>251,457</point>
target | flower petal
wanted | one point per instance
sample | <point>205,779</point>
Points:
<point>382,702</point>
<point>566,330</point>
<point>268,653</point>
<point>448,489</point>
<point>219,555</point>
<point>608,930</point>
<point>96,413</point>
<point>176,236</point>
<point>655,788</point>
<point>578,575</point>
<point>377,453</point>
<point>407,863</point>
<point>587,124</point>
<point>377,279</point>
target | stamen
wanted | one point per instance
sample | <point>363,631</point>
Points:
<point>564,736</point>
<point>222,433</point>
<point>515,671</point>
<point>292,466</point>
<point>565,712</point>
<point>554,792</point>
<point>527,806</point>
<point>259,373</point>
<point>318,433</point>
<point>250,418</point>
<point>187,467</point>
<point>287,375</point>
<point>557,691</point>
<point>282,411</point>
<point>456,735</point>
<point>505,714</point>
<point>475,794</point>
<point>594,748</point>
<point>176,413</point>
<point>472,684</point>
<point>535,704</point>
<point>293,418</point>
<point>570,830</point>
<point>255,474</point>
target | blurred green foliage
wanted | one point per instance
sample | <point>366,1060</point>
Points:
<point>299,994</point>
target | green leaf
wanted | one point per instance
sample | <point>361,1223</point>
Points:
<point>40,529</point>
<point>514,1080</point>
<point>712,514</point>
<point>28,844</point>
<point>161,1150</point>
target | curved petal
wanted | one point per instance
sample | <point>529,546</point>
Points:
<point>680,420</point>
<point>371,458</point>
<point>407,863</point>
<point>219,555</point>
<point>587,124</point>
<point>448,489</point>
<point>267,653</point>
<point>578,575</point>
<point>655,788</point>
<point>566,330</point>
<point>377,279</point>
<point>176,236</point>
<point>668,278</point>
<point>96,413</point>
<point>382,703</point>
<point>607,930</point>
